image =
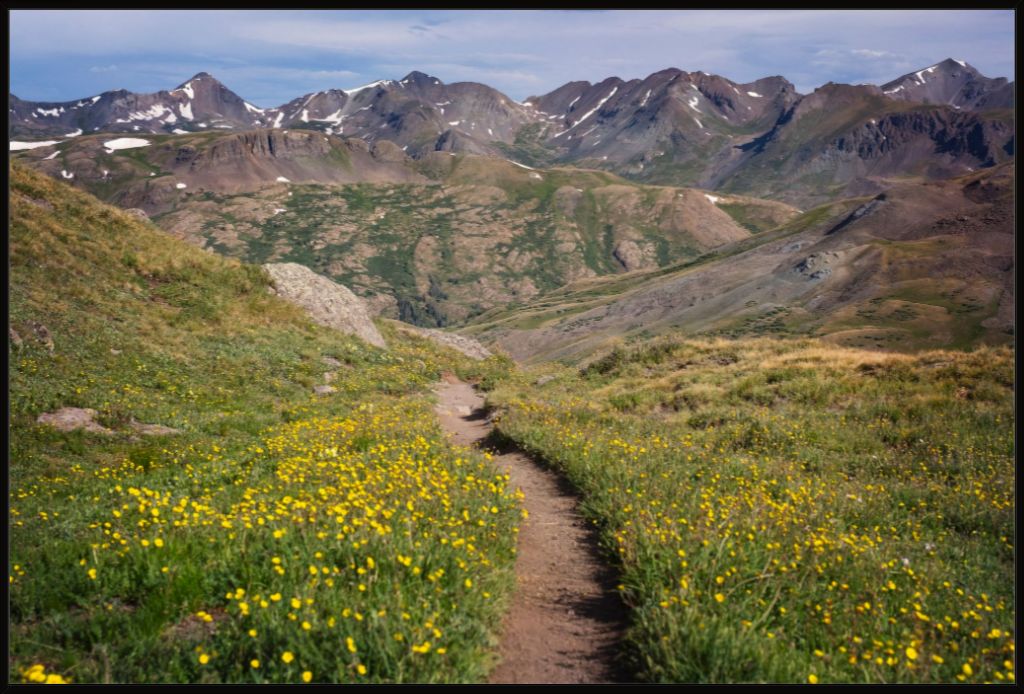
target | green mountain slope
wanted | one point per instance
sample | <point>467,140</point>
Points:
<point>278,532</point>
<point>432,241</point>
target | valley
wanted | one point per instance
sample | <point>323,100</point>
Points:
<point>431,241</point>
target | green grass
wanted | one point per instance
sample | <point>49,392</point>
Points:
<point>177,558</point>
<point>786,510</point>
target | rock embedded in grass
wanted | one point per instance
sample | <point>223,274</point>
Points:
<point>153,429</point>
<point>460,343</point>
<point>73,418</point>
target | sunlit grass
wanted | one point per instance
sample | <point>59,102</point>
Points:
<point>784,510</point>
<point>280,535</point>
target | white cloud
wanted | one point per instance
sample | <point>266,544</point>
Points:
<point>519,52</point>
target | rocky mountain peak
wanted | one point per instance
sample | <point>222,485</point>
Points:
<point>953,82</point>
<point>201,80</point>
<point>955,65</point>
<point>420,79</point>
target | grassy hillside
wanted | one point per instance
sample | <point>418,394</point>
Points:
<point>434,241</point>
<point>279,535</point>
<point>924,265</point>
<point>793,511</point>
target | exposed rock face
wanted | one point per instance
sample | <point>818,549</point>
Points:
<point>328,303</point>
<point>816,266</point>
<point>460,343</point>
<point>630,255</point>
<point>72,418</point>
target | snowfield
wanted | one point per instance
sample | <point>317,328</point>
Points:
<point>125,143</point>
<point>19,146</point>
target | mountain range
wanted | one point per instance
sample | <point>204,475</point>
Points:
<point>683,200</point>
<point>672,127</point>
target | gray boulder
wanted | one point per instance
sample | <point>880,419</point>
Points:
<point>460,343</point>
<point>327,302</point>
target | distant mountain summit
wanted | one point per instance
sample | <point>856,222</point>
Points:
<point>952,82</point>
<point>200,103</point>
<point>420,113</point>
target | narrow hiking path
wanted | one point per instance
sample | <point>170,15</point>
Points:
<point>566,619</point>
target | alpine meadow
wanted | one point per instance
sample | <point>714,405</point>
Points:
<point>663,379</point>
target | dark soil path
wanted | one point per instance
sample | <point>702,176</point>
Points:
<point>566,619</point>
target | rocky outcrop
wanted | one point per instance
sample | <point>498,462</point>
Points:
<point>630,256</point>
<point>460,343</point>
<point>72,418</point>
<point>327,302</point>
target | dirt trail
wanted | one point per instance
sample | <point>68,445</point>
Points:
<point>566,619</point>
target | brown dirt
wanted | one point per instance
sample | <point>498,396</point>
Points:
<point>566,619</point>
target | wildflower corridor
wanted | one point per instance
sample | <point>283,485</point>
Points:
<point>566,619</point>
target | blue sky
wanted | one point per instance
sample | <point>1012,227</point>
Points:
<point>270,57</point>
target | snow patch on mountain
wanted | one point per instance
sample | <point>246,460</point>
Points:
<point>919,74</point>
<point>371,85</point>
<point>754,94</point>
<point>18,146</point>
<point>596,108</point>
<point>125,143</point>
